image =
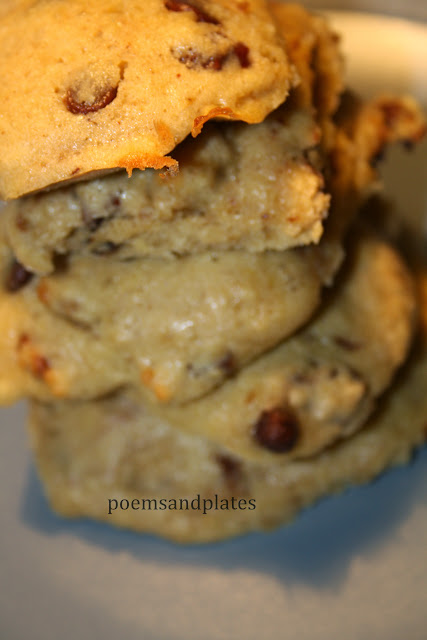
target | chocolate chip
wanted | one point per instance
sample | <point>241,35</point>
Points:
<point>214,62</point>
<point>91,223</point>
<point>17,277</point>
<point>193,59</point>
<point>106,249</point>
<point>102,96</point>
<point>228,364</point>
<point>22,223</point>
<point>409,145</point>
<point>231,469</point>
<point>242,53</point>
<point>60,262</point>
<point>201,16</point>
<point>377,157</point>
<point>277,430</point>
<point>345,343</point>
<point>94,224</point>
<point>301,378</point>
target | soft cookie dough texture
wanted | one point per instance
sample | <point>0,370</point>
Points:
<point>327,376</point>
<point>93,85</point>
<point>175,326</point>
<point>91,452</point>
<point>88,453</point>
<point>221,199</point>
<point>173,329</point>
<point>194,290</point>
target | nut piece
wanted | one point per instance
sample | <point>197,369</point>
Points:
<point>17,277</point>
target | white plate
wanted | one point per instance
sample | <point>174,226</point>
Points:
<point>353,567</point>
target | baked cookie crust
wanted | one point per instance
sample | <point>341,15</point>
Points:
<point>90,86</point>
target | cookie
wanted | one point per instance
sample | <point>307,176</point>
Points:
<point>173,328</point>
<point>222,197</point>
<point>314,48</point>
<point>320,384</point>
<point>316,387</point>
<point>84,363</point>
<point>94,86</point>
<point>250,187</point>
<point>110,461</point>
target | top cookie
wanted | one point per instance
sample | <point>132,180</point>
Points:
<point>90,86</point>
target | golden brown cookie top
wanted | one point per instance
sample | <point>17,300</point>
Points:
<point>314,49</point>
<point>90,86</point>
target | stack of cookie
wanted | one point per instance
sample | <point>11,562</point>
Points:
<point>206,329</point>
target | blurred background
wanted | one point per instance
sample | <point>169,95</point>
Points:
<point>412,9</point>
